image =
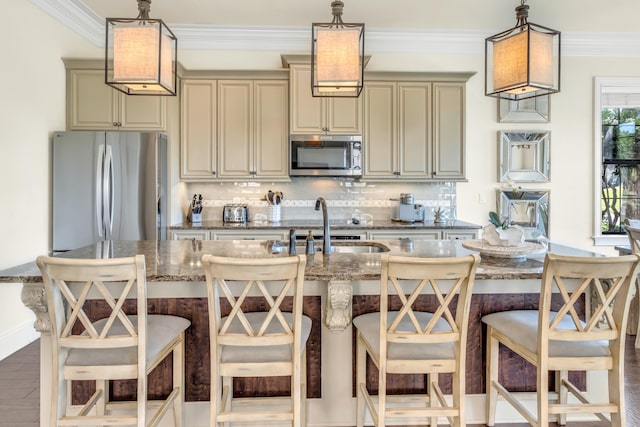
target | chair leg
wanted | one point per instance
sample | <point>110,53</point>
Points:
<point>616,394</point>
<point>493,347</point>
<point>215,394</point>
<point>178,381</point>
<point>361,378</point>
<point>563,393</point>
<point>382,393</point>
<point>432,379</point>
<point>637,343</point>
<point>543,394</point>
<point>303,389</point>
<point>296,392</point>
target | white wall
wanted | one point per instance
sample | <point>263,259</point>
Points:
<point>33,99</point>
<point>31,106</point>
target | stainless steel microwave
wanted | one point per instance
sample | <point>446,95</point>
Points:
<point>326,155</point>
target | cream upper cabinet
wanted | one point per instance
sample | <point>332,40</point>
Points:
<point>234,129</point>
<point>92,105</point>
<point>253,129</point>
<point>397,134</point>
<point>321,115</point>
<point>449,131</point>
<point>413,131</point>
<point>198,130</point>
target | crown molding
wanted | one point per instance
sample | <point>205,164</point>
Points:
<point>75,15</point>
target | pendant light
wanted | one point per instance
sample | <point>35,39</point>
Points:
<point>141,54</point>
<point>524,61</point>
<point>337,57</point>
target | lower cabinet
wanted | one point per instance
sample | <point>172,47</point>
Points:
<point>344,235</point>
<point>414,235</point>
<point>459,234</point>
<point>249,235</point>
<point>190,235</point>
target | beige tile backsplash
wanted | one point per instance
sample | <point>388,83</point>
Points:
<point>345,198</point>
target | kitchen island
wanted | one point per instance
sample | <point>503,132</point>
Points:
<point>337,287</point>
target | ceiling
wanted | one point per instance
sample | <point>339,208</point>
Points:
<point>489,15</point>
<point>589,27</point>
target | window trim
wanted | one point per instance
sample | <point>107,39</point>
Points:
<point>612,85</point>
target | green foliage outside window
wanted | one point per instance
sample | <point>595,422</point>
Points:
<point>620,198</point>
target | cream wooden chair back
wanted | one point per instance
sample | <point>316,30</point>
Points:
<point>556,338</point>
<point>633,232</point>
<point>115,347</point>
<point>259,343</point>
<point>407,341</point>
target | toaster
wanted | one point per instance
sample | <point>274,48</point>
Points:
<point>235,213</point>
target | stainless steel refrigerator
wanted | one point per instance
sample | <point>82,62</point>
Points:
<point>108,186</point>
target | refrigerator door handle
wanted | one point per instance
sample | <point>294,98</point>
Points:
<point>99,191</point>
<point>108,197</point>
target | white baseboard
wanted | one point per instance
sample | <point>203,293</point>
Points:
<point>15,339</point>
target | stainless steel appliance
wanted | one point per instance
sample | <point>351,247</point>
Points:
<point>235,213</point>
<point>407,210</point>
<point>326,155</point>
<point>108,186</point>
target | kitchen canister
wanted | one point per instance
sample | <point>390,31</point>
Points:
<point>273,213</point>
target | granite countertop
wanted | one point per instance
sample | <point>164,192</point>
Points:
<point>179,260</point>
<point>336,224</point>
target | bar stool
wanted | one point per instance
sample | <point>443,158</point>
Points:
<point>117,347</point>
<point>259,343</point>
<point>634,242</point>
<point>555,339</point>
<point>409,341</point>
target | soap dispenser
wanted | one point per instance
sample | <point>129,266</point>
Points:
<point>311,244</point>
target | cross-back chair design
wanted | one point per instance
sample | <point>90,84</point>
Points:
<point>558,340</point>
<point>633,231</point>
<point>408,341</point>
<point>117,347</point>
<point>256,344</point>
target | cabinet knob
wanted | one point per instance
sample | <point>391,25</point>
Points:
<point>213,172</point>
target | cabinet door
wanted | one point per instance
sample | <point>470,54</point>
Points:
<point>190,235</point>
<point>449,131</point>
<point>321,115</point>
<point>198,129</point>
<point>142,112</point>
<point>235,128</point>
<point>414,133</point>
<point>344,115</point>
<point>399,234</point>
<point>308,114</point>
<point>380,133</point>
<point>271,129</point>
<point>459,235</point>
<point>91,104</point>
<point>249,235</point>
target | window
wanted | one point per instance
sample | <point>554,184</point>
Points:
<point>617,156</point>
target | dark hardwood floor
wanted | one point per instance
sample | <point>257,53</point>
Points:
<point>20,390</point>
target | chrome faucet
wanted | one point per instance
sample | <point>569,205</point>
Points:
<point>326,240</point>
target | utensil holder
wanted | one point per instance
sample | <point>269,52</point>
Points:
<point>273,213</point>
<point>195,218</point>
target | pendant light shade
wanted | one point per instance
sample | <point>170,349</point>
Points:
<point>141,55</point>
<point>524,61</point>
<point>337,57</point>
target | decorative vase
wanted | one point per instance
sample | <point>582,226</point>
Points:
<point>510,236</point>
